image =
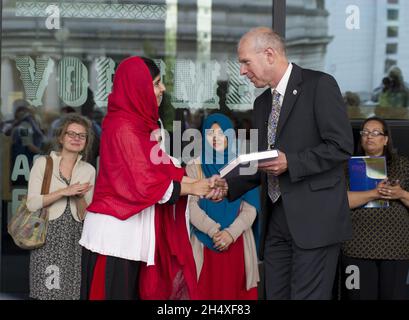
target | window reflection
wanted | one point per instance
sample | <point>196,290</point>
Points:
<point>360,44</point>
<point>59,57</point>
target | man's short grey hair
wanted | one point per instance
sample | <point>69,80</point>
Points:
<point>264,38</point>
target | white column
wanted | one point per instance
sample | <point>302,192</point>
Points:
<point>204,30</point>
<point>171,28</point>
<point>7,88</point>
<point>51,99</point>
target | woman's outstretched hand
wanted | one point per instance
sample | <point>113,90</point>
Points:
<point>201,187</point>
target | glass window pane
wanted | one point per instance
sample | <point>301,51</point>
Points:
<point>392,48</point>
<point>59,57</point>
<point>350,42</point>
<point>393,14</point>
<point>393,32</point>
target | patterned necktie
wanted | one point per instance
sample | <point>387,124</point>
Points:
<point>273,185</point>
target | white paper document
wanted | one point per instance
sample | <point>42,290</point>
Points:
<point>246,164</point>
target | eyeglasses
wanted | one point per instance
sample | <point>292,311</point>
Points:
<point>375,133</point>
<point>73,135</point>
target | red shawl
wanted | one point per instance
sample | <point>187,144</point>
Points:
<point>173,277</point>
<point>128,180</point>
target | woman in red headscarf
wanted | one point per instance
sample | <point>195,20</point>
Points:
<point>135,239</point>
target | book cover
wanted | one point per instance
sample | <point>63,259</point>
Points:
<point>246,164</point>
<point>365,173</point>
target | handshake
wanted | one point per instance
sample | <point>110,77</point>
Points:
<point>214,188</point>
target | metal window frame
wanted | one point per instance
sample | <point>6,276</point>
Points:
<point>1,159</point>
<point>279,16</point>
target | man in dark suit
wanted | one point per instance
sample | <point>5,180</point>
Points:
<point>305,208</point>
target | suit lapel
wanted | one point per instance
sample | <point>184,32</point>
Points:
<point>292,93</point>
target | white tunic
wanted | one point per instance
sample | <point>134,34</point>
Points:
<point>131,239</point>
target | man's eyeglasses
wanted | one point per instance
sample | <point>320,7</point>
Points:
<point>73,135</point>
<point>375,133</point>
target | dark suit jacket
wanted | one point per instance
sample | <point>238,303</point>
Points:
<point>315,134</point>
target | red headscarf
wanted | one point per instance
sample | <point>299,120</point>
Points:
<point>128,181</point>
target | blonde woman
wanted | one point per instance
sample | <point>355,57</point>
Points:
<point>55,268</point>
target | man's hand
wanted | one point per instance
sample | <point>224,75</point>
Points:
<point>215,195</point>
<point>219,188</point>
<point>217,182</point>
<point>275,167</point>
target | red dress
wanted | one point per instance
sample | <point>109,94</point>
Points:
<point>223,275</point>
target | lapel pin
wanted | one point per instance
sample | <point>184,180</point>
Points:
<point>295,92</point>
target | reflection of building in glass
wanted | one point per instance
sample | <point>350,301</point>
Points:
<point>307,33</point>
<point>167,29</point>
<point>360,58</point>
<point>196,30</point>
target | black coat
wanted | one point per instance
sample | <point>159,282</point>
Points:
<point>315,134</point>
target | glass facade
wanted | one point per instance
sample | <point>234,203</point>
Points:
<point>59,57</point>
<point>363,45</point>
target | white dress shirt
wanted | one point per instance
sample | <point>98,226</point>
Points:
<point>282,85</point>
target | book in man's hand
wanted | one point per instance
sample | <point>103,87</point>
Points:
<point>365,173</point>
<point>246,164</point>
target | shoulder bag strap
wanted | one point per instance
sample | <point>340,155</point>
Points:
<point>45,188</point>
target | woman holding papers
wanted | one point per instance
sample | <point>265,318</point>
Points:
<point>380,245</point>
<point>135,240</point>
<point>222,237</point>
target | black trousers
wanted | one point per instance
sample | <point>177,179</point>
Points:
<point>292,272</point>
<point>121,277</point>
<point>377,279</point>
